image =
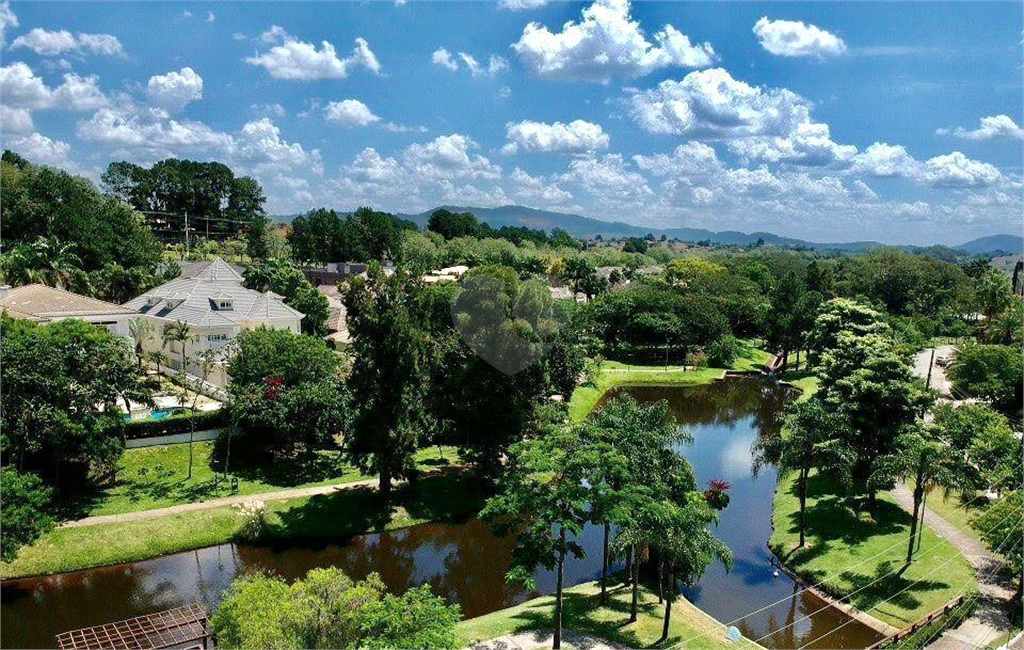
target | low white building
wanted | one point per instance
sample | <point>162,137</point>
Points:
<point>43,304</point>
<point>216,307</point>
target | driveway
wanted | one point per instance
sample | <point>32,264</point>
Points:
<point>938,380</point>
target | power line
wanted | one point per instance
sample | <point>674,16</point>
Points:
<point>818,584</point>
<point>875,581</point>
<point>1006,539</point>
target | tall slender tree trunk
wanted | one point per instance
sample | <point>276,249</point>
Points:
<point>636,585</point>
<point>802,489</point>
<point>557,643</point>
<point>604,565</point>
<point>669,598</point>
<point>629,565</point>
<point>661,580</point>
<point>918,492</point>
<point>796,366</point>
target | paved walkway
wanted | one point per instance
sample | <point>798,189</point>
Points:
<point>279,495</point>
<point>540,639</point>
<point>989,621</point>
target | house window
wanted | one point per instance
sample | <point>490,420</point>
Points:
<point>216,337</point>
<point>224,304</point>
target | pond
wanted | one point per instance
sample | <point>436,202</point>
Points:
<point>464,562</point>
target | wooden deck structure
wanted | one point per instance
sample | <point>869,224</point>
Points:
<point>181,627</point>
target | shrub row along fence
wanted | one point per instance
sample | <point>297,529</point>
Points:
<point>175,424</point>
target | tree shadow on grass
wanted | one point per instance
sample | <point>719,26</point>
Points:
<point>284,471</point>
<point>888,583</point>
<point>361,509</point>
<point>833,518</point>
<point>583,613</point>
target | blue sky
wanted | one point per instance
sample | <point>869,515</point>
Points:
<point>829,121</point>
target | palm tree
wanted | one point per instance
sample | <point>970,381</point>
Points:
<point>181,333</point>
<point>141,330</point>
<point>645,518</point>
<point>687,547</point>
<point>931,463</point>
<point>812,439</point>
<point>159,358</point>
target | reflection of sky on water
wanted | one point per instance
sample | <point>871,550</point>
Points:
<point>737,458</point>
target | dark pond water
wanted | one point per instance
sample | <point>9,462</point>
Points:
<point>464,562</point>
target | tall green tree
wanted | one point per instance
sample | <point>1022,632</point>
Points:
<point>867,381</point>
<point>812,438</point>
<point>688,547</point>
<point>141,330</point>
<point>63,385</point>
<point>390,373</point>
<point>544,497</point>
<point>645,435</point>
<point>929,463</point>
<point>43,202</point>
<point>990,372</point>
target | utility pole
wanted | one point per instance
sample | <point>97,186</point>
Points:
<point>931,363</point>
<point>186,234</point>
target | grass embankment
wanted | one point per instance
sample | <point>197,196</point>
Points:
<point>848,551</point>
<point>157,477</point>
<point>584,614</point>
<point>332,516</point>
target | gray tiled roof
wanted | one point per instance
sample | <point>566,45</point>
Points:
<point>199,294</point>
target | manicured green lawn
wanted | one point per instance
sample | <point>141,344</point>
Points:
<point>584,614</point>
<point>957,510</point>
<point>333,516</point>
<point>849,551</point>
<point>157,477</point>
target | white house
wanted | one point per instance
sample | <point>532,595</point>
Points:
<point>43,304</point>
<point>216,307</point>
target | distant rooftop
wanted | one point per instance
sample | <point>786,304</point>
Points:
<point>40,302</point>
<point>195,299</point>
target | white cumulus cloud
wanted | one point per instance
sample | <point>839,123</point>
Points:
<point>15,121</point>
<point>350,112</point>
<point>993,127</point>
<point>7,19</point>
<point>172,91</point>
<point>606,42</point>
<point>40,149</point>
<point>578,136</point>
<point>297,60</point>
<point>446,59</point>
<point>711,103</point>
<point>21,88</point>
<point>797,38</point>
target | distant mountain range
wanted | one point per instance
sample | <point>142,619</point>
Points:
<point>583,227</point>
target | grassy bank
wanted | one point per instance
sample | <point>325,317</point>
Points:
<point>334,516</point>
<point>157,477</point>
<point>850,552</point>
<point>584,398</point>
<point>583,613</point>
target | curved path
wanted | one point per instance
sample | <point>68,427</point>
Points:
<point>989,621</point>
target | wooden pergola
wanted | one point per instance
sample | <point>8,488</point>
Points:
<point>181,627</point>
